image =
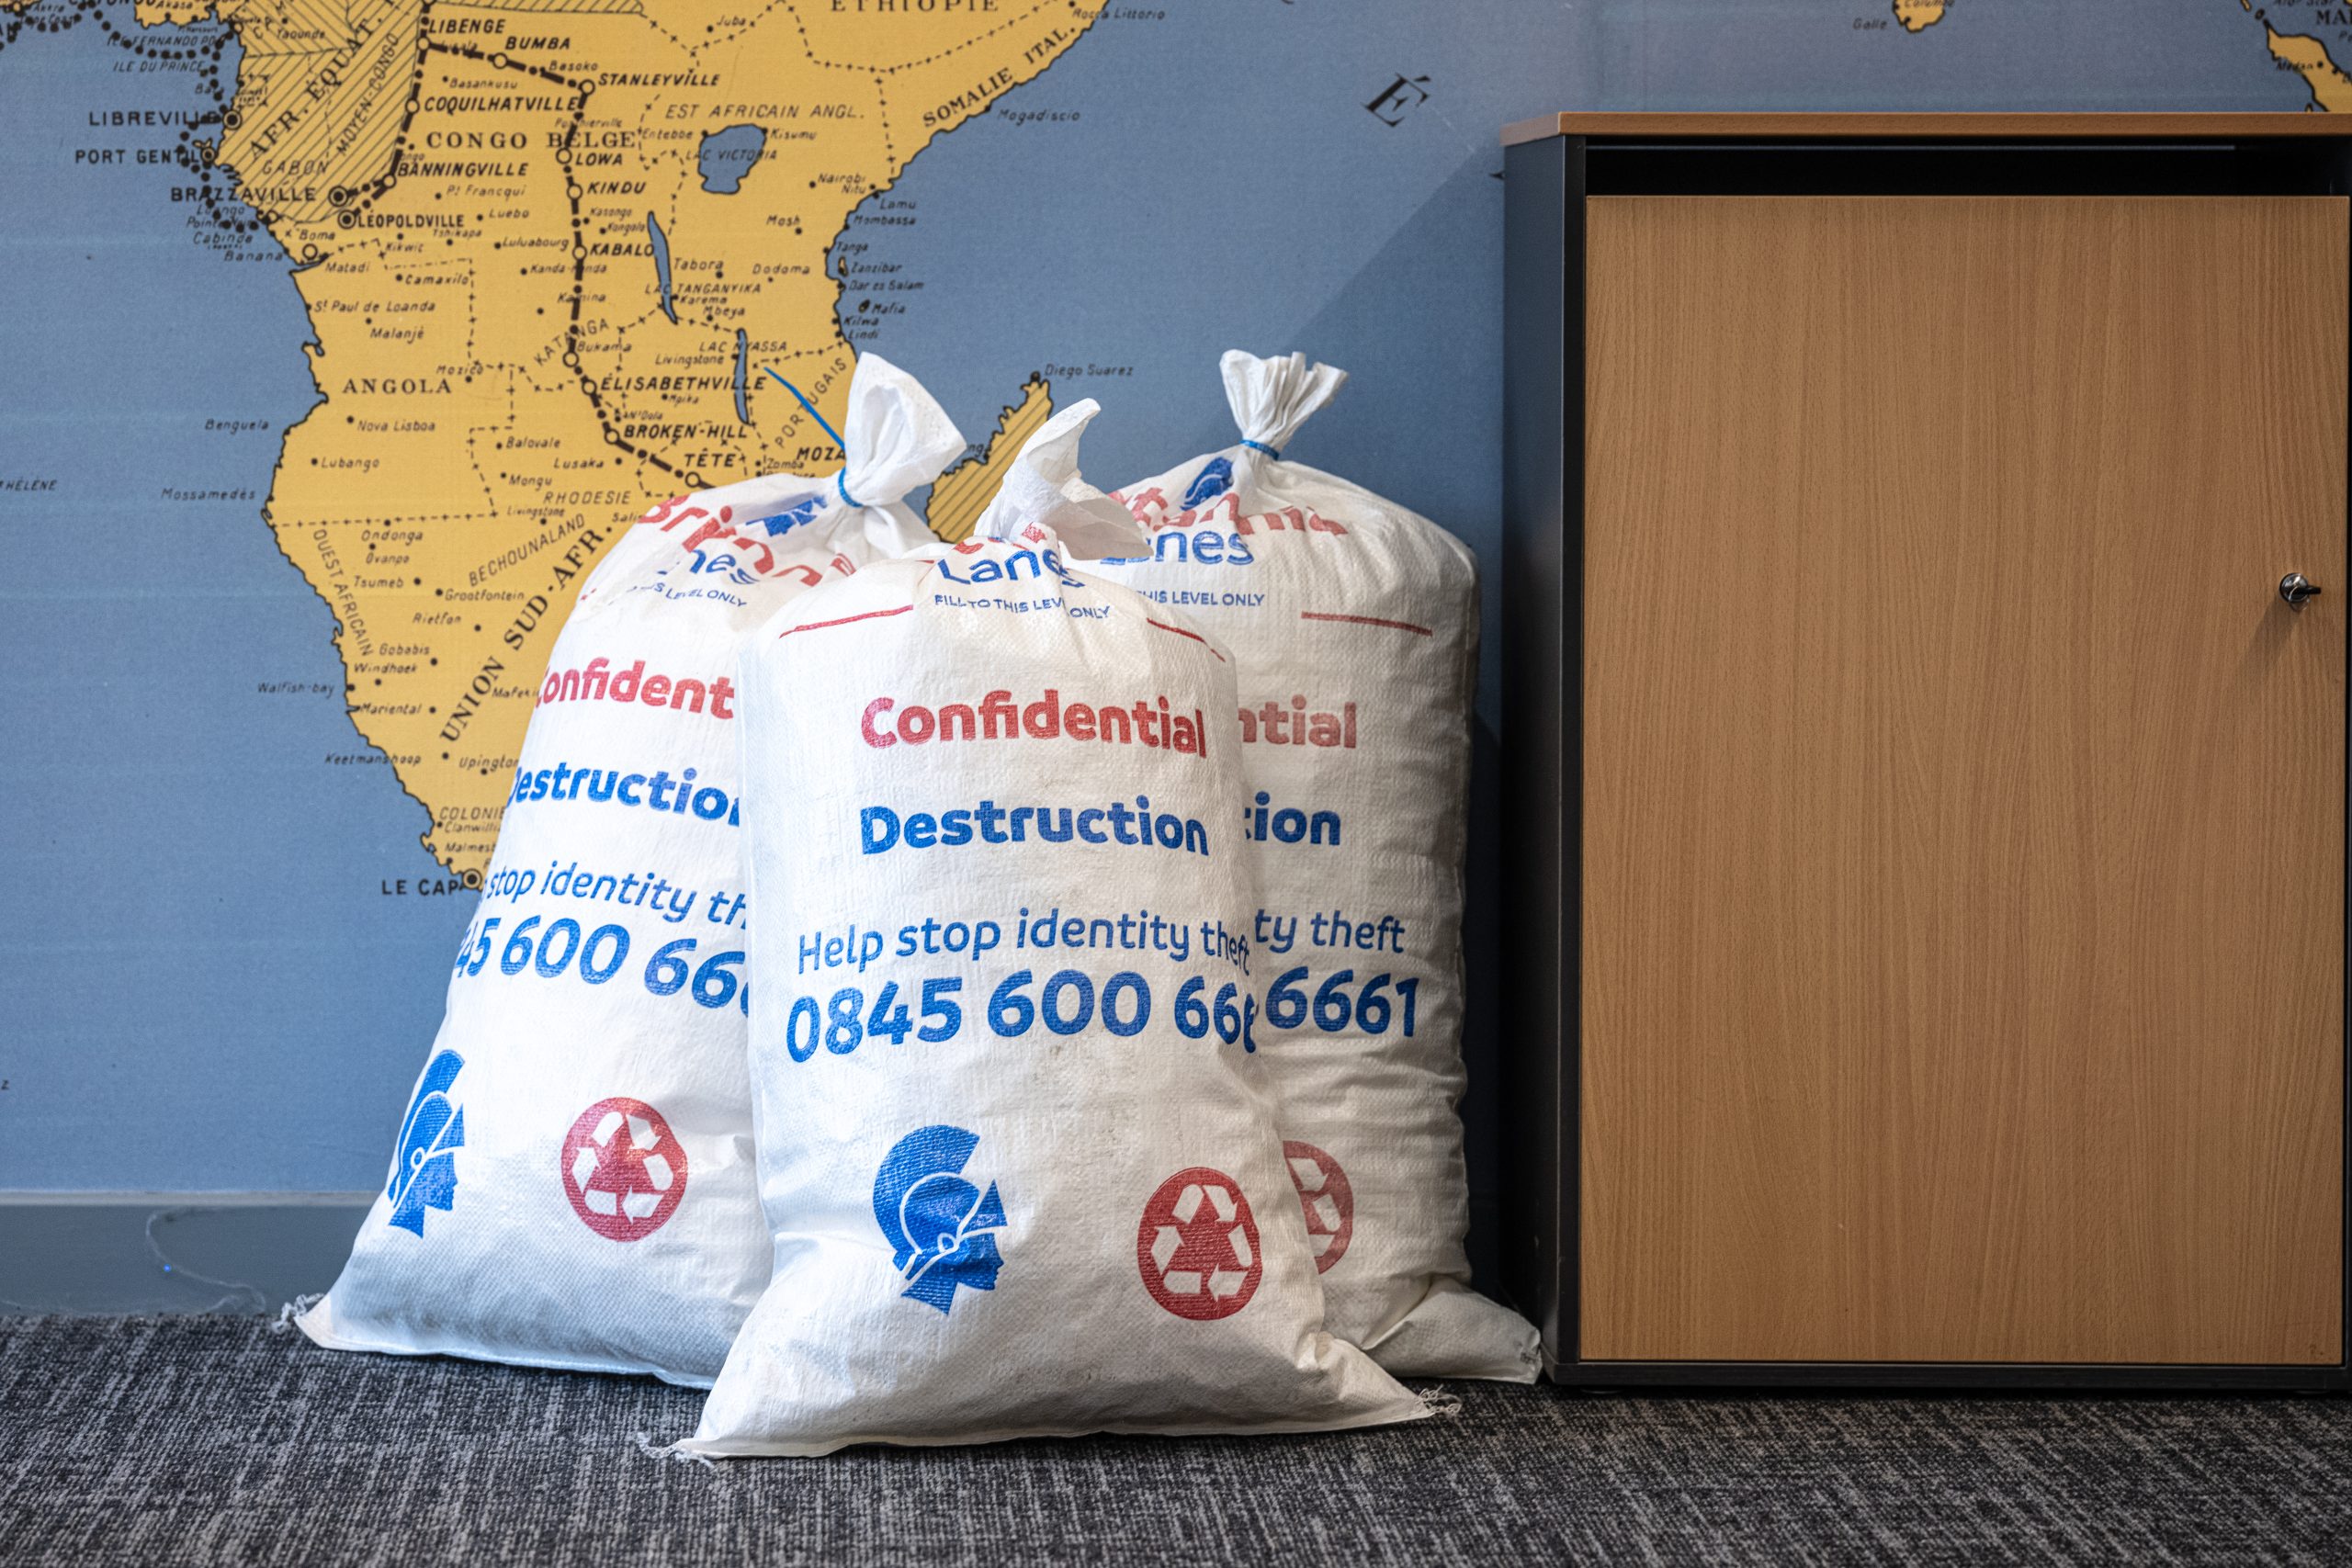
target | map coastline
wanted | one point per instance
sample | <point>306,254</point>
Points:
<point>442,145</point>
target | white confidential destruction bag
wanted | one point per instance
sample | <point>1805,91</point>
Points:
<point>1354,624</point>
<point>573,1182</point>
<point>1020,1173</point>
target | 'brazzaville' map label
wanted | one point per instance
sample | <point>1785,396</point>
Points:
<point>510,371</point>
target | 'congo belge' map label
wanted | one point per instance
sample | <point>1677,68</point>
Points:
<point>545,254</point>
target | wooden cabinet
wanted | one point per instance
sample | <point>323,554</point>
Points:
<point>1930,955</point>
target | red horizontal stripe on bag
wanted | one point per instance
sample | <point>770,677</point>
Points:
<point>1180,631</point>
<point>1366,621</point>
<point>820,626</point>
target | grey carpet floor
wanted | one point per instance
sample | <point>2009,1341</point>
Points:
<point>214,1439</point>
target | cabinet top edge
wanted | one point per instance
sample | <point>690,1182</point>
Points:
<point>2168,126</point>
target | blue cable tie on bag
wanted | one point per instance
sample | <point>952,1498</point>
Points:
<point>841,474</point>
<point>1254,446</point>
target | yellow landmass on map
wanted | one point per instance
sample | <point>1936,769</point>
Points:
<point>2331,89</point>
<point>1916,14</point>
<point>965,490</point>
<point>478,192</point>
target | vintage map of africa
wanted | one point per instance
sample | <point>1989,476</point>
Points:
<point>343,335</point>
<point>548,248</point>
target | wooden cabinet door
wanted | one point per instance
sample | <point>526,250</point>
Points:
<point>1963,964</point>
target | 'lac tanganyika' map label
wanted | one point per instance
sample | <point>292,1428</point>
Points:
<point>547,249</point>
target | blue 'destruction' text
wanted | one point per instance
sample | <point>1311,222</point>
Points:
<point>882,828</point>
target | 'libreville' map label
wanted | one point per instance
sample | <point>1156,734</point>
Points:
<point>545,250</point>
<point>546,247</point>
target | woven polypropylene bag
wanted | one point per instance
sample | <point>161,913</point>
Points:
<point>1021,1173</point>
<point>573,1185</point>
<point>1354,626</point>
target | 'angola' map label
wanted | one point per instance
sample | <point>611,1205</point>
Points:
<point>536,256</point>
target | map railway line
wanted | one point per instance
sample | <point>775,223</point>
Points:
<point>198,152</point>
<point>398,161</point>
<point>356,203</point>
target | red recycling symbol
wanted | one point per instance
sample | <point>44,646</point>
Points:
<point>623,1168</point>
<point>1197,1246</point>
<point>1329,1201</point>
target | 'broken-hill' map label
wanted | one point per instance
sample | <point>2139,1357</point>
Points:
<point>534,316</point>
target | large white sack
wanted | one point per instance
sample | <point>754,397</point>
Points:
<point>573,1185</point>
<point>1021,1173</point>
<point>1355,626</point>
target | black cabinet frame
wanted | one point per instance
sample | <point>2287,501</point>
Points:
<point>1547,180</point>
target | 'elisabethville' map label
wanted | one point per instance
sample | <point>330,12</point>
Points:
<point>545,266</point>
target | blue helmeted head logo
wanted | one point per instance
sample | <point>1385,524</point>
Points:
<point>791,517</point>
<point>942,1228</point>
<point>424,1173</point>
<point>1213,480</point>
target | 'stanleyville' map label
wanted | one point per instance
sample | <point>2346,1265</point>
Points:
<point>536,312</point>
<point>545,246</point>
